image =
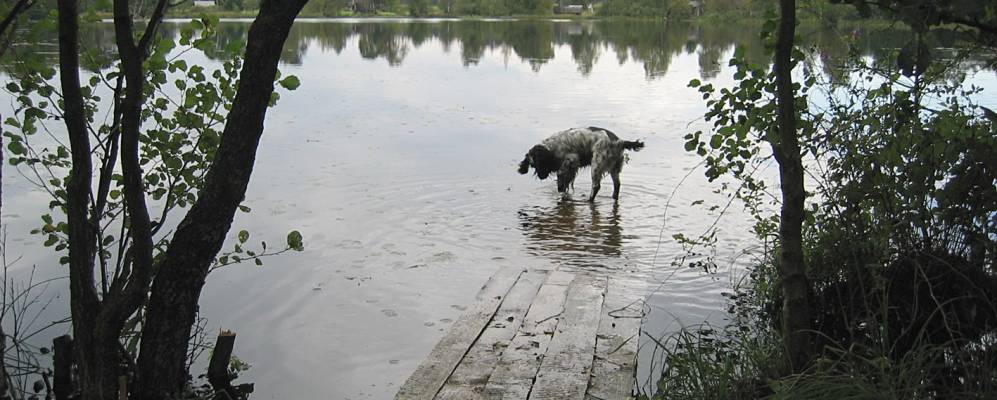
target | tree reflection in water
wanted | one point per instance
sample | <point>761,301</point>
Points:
<point>653,44</point>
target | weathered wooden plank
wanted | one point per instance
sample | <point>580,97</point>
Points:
<point>430,376</point>
<point>565,368</point>
<point>468,380</point>
<point>616,344</point>
<point>453,391</point>
<point>516,369</point>
<point>559,277</point>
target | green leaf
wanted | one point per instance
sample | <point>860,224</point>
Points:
<point>189,101</point>
<point>716,141</point>
<point>259,262</point>
<point>739,52</point>
<point>243,236</point>
<point>173,163</point>
<point>17,148</point>
<point>290,83</point>
<point>695,83</point>
<point>295,241</point>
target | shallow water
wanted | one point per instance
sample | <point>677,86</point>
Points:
<point>396,160</point>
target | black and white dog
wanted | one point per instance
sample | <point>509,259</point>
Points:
<point>567,151</point>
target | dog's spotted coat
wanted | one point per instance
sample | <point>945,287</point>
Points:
<point>565,152</point>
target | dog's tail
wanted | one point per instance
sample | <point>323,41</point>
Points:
<point>635,145</point>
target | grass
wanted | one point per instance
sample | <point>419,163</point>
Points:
<point>926,372</point>
<point>704,364</point>
<point>701,364</point>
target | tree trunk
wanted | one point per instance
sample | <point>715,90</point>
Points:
<point>96,349</point>
<point>173,302</point>
<point>792,270</point>
<point>221,357</point>
<point>62,365</point>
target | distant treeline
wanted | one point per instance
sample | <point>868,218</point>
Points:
<point>333,8</point>
<point>822,10</point>
<point>672,9</point>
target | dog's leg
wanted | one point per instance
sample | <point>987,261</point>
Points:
<point>566,175</point>
<point>566,182</point>
<point>596,182</point>
<point>598,170</point>
<point>615,174</point>
<point>571,178</point>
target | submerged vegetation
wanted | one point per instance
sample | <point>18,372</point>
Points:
<point>900,234</point>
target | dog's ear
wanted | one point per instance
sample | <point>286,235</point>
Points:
<point>524,166</point>
<point>543,161</point>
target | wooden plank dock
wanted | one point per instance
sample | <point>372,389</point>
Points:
<point>535,334</point>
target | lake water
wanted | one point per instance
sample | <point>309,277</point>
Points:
<point>396,160</point>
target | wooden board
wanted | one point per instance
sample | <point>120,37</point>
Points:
<point>518,366</point>
<point>565,369</point>
<point>468,380</point>
<point>429,377</point>
<point>559,277</point>
<point>616,344</point>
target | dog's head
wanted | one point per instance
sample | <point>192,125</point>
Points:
<point>542,161</point>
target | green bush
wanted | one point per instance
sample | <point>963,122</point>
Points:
<point>900,238</point>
